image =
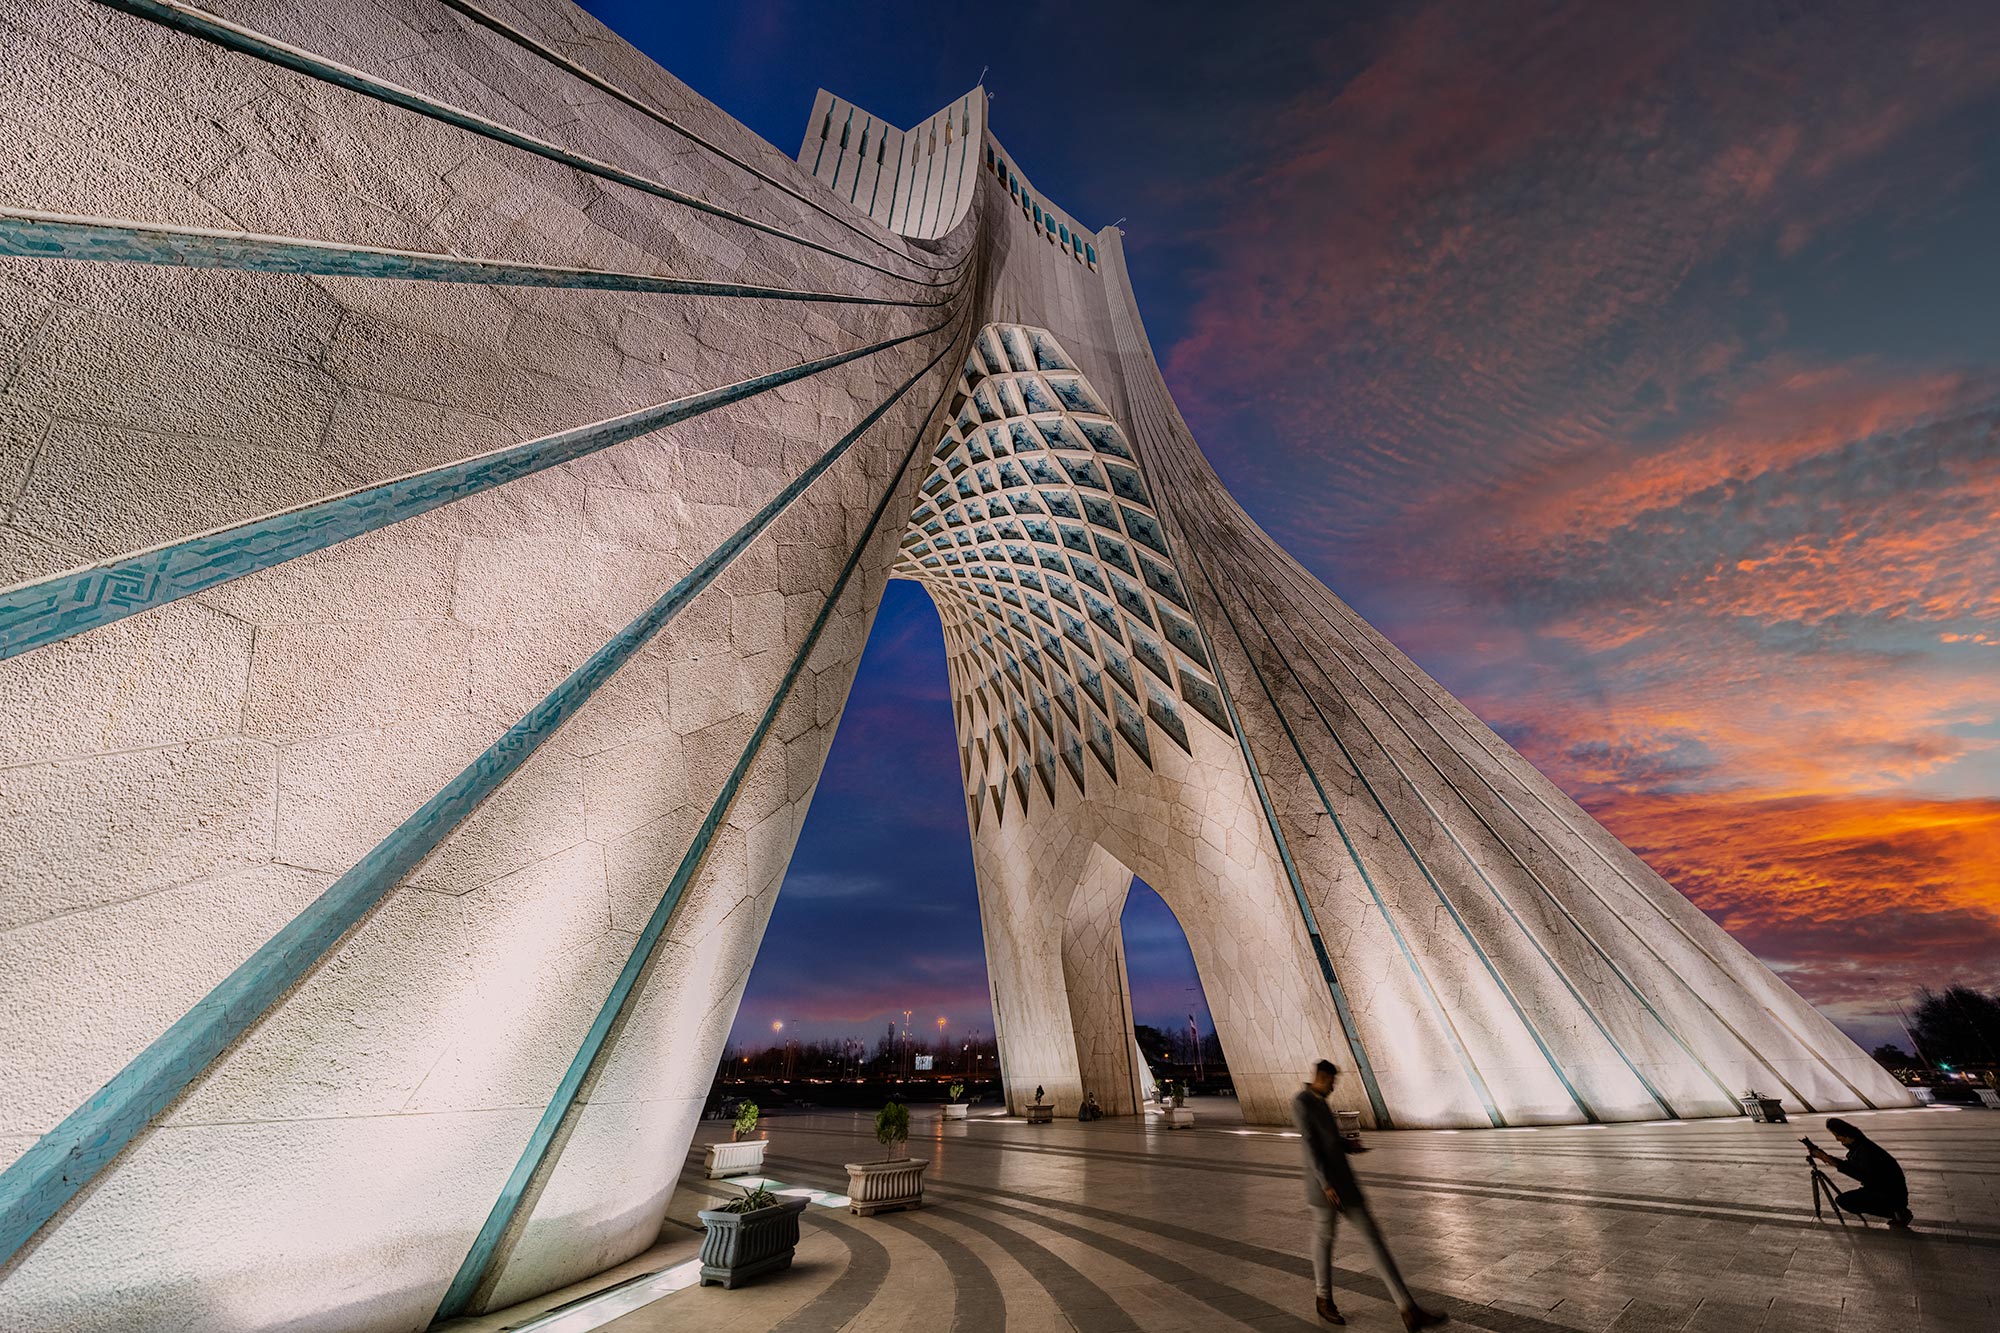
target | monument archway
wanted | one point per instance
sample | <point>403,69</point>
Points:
<point>449,474</point>
<point>1095,742</point>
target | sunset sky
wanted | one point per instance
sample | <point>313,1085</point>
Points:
<point>1635,369</point>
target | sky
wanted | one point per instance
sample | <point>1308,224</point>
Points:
<point>1634,368</point>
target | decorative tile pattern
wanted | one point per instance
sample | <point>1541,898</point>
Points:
<point>33,615</point>
<point>33,235</point>
<point>1030,442</point>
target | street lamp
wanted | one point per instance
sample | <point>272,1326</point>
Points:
<point>791,1047</point>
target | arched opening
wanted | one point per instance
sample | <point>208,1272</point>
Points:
<point>1091,744</point>
<point>1171,1024</point>
<point>876,934</point>
<point>1128,965</point>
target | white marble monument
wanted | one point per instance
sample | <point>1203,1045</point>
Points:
<point>447,473</point>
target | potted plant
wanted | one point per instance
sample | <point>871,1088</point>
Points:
<point>956,1109</point>
<point>744,1153</point>
<point>748,1236</point>
<point>1178,1115</point>
<point>1759,1107</point>
<point>1038,1114</point>
<point>895,1181</point>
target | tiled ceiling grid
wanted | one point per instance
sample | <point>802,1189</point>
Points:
<point>1066,621</point>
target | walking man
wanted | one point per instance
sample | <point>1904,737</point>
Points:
<point>1334,1193</point>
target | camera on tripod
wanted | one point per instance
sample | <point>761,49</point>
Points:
<point>1822,1184</point>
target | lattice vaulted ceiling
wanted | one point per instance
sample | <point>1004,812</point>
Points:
<point>1067,624</point>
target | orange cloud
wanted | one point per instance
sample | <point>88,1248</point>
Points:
<point>1856,899</point>
<point>1498,337</point>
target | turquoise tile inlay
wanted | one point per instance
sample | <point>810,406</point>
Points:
<point>1361,1061</point>
<point>472,1273</point>
<point>49,610</point>
<point>211,28</point>
<point>1132,726</point>
<point>68,1157</point>
<point>1160,708</point>
<point>1336,992</point>
<point>1204,698</point>
<point>612,90</point>
<point>1101,746</point>
<point>1103,437</point>
<point>33,235</point>
<point>1417,859</point>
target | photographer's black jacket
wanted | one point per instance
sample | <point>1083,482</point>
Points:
<point>1870,1163</point>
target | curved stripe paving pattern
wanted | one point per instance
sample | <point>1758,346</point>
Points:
<point>1124,1227</point>
<point>977,1305</point>
<point>850,1293</point>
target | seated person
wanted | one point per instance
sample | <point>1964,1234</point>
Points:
<point>1883,1191</point>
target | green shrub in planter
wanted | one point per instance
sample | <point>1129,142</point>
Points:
<point>754,1234</point>
<point>957,1091</point>
<point>897,1181</point>
<point>746,1120</point>
<point>892,1128</point>
<point>752,1200</point>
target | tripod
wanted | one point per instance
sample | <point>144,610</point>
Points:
<point>1822,1184</point>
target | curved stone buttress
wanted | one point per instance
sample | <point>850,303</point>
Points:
<point>1095,743</point>
<point>447,473</point>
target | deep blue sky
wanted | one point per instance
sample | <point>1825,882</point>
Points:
<point>1633,367</point>
<point>879,913</point>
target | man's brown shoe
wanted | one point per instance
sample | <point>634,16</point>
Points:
<point>1417,1317</point>
<point>1327,1311</point>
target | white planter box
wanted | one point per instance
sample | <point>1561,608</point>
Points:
<point>875,1187</point>
<point>1041,1114</point>
<point>1990,1096</point>
<point>955,1110</point>
<point>1180,1117</point>
<point>735,1159</point>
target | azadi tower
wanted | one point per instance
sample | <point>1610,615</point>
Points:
<point>447,471</point>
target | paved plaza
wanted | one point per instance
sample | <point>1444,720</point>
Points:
<point>1698,1227</point>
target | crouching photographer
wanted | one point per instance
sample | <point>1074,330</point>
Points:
<point>1882,1191</point>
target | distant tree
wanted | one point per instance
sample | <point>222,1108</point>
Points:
<point>1958,1026</point>
<point>1211,1049</point>
<point>1891,1056</point>
<point>1156,1044</point>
